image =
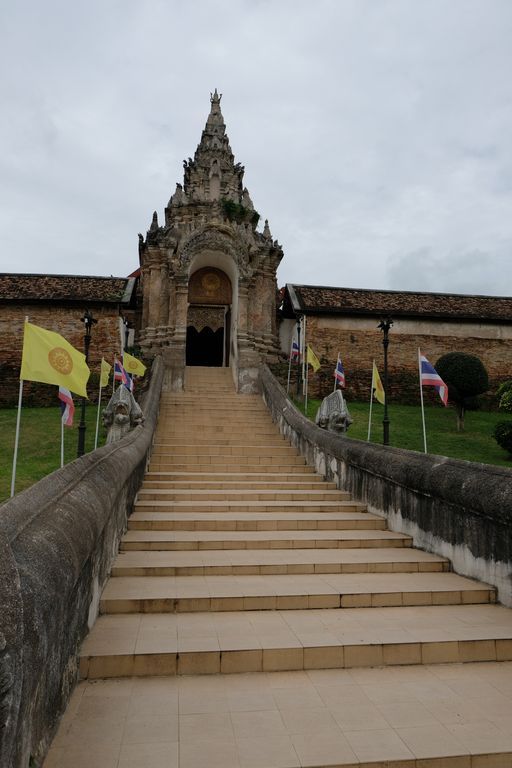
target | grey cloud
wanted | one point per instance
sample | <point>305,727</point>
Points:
<point>366,129</point>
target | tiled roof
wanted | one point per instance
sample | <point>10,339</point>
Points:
<point>72,288</point>
<point>316,299</point>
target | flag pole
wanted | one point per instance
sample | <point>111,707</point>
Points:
<point>304,361</point>
<point>422,406</point>
<point>335,372</point>
<point>306,369</point>
<point>98,417</point>
<point>371,403</point>
<point>289,366</point>
<point>306,390</point>
<point>16,439</point>
<point>17,434</point>
<point>61,441</point>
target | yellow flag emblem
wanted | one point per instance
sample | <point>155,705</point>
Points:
<point>49,358</point>
<point>312,359</point>
<point>104,373</point>
<point>132,365</point>
<point>377,388</point>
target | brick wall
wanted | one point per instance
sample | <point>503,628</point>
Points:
<point>359,342</point>
<point>105,343</point>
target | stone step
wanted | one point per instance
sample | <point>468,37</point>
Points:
<point>180,415</point>
<point>202,440</point>
<point>217,431</point>
<point>266,540</point>
<point>268,521</point>
<point>168,594</point>
<point>236,463</point>
<point>224,450</point>
<point>227,485</point>
<point>214,406</point>
<point>247,507</point>
<point>299,475</point>
<point>233,494</point>
<point>259,641</point>
<point>190,466</point>
<point>254,562</point>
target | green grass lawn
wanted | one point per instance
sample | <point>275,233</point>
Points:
<point>474,444</point>
<point>39,443</point>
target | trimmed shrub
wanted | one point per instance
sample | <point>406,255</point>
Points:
<point>503,435</point>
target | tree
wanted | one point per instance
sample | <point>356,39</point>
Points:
<point>503,430</point>
<point>504,393</point>
<point>466,378</point>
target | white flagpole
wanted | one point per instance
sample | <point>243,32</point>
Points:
<point>422,406</point>
<point>289,367</point>
<point>17,437</point>
<point>371,403</point>
<point>61,441</point>
<point>98,417</point>
<point>335,372</point>
<point>304,361</point>
<point>306,391</point>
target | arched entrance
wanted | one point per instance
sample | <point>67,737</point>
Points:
<point>208,318</point>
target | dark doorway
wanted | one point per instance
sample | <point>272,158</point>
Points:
<point>205,347</point>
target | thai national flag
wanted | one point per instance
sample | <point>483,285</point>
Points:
<point>431,378</point>
<point>120,373</point>
<point>339,373</point>
<point>67,406</point>
<point>295,350</point>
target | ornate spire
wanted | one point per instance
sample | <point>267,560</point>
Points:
<point>212,174</point>
<point>215,98</point>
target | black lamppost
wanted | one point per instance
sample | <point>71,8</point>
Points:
<point>88,321</point>
<point>299,361</point>
<point>126,332</point>
<point>384,325</point>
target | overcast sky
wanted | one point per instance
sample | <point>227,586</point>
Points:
<point>375,134</point>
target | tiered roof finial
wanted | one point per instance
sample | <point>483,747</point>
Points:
<point>215,98</point>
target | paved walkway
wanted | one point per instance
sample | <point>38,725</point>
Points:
<point>257,617</point>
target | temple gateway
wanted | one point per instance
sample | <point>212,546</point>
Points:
<point>208,276</point>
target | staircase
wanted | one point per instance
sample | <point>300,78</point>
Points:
<point>240,559</point>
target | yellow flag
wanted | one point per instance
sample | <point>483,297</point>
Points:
<point>377,388</point>
<point>132,365</point>
<point>49,358</point>
<point>312,359</point>
<point>105,373</point>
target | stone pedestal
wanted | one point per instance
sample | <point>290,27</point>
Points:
<point>174,362</point>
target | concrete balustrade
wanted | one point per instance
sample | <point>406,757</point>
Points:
<point>458,509</point>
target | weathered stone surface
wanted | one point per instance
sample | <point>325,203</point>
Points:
<point>208,252</point>
<point>458,509</point>
<point>58,541</point>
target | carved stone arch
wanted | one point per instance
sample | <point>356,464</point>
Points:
<point>209,260</point>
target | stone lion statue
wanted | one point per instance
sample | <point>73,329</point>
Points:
<point>121,414</point>
<point>333,413</point>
